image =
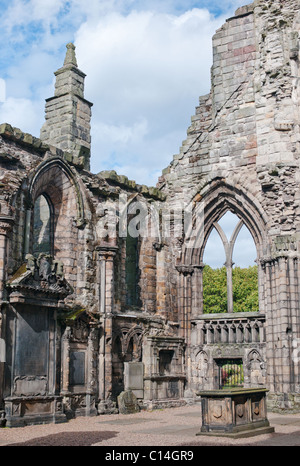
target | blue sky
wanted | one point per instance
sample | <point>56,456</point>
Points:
<point>244,251</point>
<point>147,62</point>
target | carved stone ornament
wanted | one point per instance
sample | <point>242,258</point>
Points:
<point>240,411</point>
<point>6,224</point>
<point>217,412</point>
<point>185,269</point>
<point>79,332</point>
<point>256,409</point>
<point>40,274</point>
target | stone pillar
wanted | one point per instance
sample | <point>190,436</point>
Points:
<point>6,224</point>
<point>92,385</point>
<point>228,265</point>
<point>282,327</point>
<point>295,321</point>
<point>65,350</point>
<point>5,228</point>
<point>106,256</point>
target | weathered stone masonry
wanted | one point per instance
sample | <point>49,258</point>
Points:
<point>241,154</point>
<point>97,312</point>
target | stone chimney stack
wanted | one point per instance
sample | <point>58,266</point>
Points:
<point>68,113</point>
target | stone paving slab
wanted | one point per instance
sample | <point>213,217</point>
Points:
<point>168,427</point>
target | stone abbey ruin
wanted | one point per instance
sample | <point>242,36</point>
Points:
<point>101,279</point>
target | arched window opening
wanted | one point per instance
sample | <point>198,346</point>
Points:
<point>214,253</point>
<point>230,275</point>
<point>228,223</point>
<point>42,236</point>
<point>214,276</point>
<point>244,273</point>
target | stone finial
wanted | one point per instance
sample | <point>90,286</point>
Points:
<point>70,58</point>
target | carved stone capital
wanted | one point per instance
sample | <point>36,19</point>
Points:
<point>185,269</point>
<point>6,224</point>
<point>106,251</point>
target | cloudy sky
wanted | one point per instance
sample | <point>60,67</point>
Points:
<point>147,62</point>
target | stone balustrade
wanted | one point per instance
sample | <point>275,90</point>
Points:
<point>230,328</point>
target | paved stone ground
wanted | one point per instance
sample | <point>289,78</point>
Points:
<point>167,427</point>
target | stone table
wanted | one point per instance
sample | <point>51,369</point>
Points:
<point>237,412</point>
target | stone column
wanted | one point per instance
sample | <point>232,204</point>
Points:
<point>65,351</point>
<point>92,354</point>
<point>106,256</point>
<point>228,265</point>
<point>282,320</point>
<point>5,228</point>
<point>6,224</point>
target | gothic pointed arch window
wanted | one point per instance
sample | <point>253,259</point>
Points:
<point>42,226</point>
<point>230,275</point>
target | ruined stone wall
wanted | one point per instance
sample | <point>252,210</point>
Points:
<point>242,154</point>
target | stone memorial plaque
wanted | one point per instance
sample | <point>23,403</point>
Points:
<point>77,368</point>
<point>32,343</point>
<point>134,378</point>
<point>173,390</point>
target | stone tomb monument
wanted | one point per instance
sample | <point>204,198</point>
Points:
<point>235,412</point>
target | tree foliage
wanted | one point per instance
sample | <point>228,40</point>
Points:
<point>245,289</point>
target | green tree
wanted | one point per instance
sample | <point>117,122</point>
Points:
<point>214,290</point>
<point>245,290</point>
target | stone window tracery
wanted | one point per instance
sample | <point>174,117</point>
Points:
<point>230,240</point>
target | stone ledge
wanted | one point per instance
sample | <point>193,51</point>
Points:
<point>245,10</point>
<point>29,141</point>
<point>26,139</point>
<point>122,180</point>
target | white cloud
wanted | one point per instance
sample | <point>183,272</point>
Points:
<point>122,134</point>
<point>146,64</point>
<point>22,12</point>
<point>21,113</point>
<point>149,67</point>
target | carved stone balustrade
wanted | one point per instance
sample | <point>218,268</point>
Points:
<point>230,328</point>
